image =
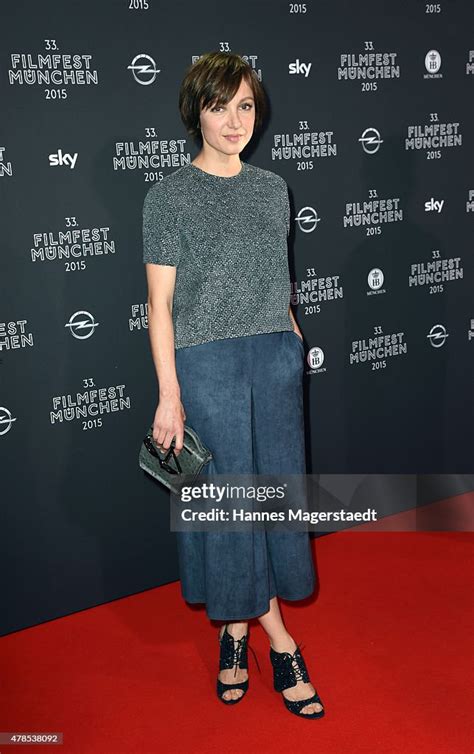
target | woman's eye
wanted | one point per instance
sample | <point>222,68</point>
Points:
<point>219,107</point>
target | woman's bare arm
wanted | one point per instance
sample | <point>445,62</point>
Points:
<point>170,415</point>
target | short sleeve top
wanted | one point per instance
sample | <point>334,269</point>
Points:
<point>228,239</point>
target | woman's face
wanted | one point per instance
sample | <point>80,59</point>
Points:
<point>235,119</point>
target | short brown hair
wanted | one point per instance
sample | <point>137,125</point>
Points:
<point>213,79</point>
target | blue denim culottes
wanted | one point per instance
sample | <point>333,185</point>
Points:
<point>244,398</point>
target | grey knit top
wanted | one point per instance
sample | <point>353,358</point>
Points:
<point>227,238</point>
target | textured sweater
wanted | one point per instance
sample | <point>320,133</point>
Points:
<point>227,238</point>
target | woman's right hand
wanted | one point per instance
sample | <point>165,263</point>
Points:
<point>168,423</point>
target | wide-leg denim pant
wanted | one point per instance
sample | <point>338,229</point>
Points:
<point>244,398</point>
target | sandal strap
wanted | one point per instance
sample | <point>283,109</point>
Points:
<point>288,668</point>
<point>233,652</point>
<point>221,687</point>
<point>298,705</point>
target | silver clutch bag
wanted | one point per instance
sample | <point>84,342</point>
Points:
<point>171,470</point>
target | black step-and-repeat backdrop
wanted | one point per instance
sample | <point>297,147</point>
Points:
<point>371,126</point>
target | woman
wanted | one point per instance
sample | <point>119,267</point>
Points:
<point>229,360</point>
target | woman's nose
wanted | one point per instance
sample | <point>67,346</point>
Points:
<point>234,120</point>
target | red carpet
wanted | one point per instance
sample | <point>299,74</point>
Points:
<point>387,641</point>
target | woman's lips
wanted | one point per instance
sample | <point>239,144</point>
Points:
<point>232,138</point>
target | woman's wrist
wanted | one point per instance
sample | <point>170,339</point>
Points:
<point>170,391</point>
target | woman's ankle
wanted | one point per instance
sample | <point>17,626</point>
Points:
<point>282,642</point>
<point>235,629</point>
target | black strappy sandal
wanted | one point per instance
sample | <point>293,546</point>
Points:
<point>229,656</point>
<point>288,669</point>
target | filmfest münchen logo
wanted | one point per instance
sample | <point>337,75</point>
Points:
<point>369,67</point>
<point>5,167</point>
<point>470,201</point>
<point>303,145</point>
<point>14,334</point>
<point>151,154</point>
<point>138,319</point>
<point>470,63</point>
<point>378,349</point>
<point>433,135</point>
<point>316,290</point>
<point>434,273</point>
<point>52,70</point>
<point>89,405</point>
<point>74,246</point>
<point>372,213</point>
